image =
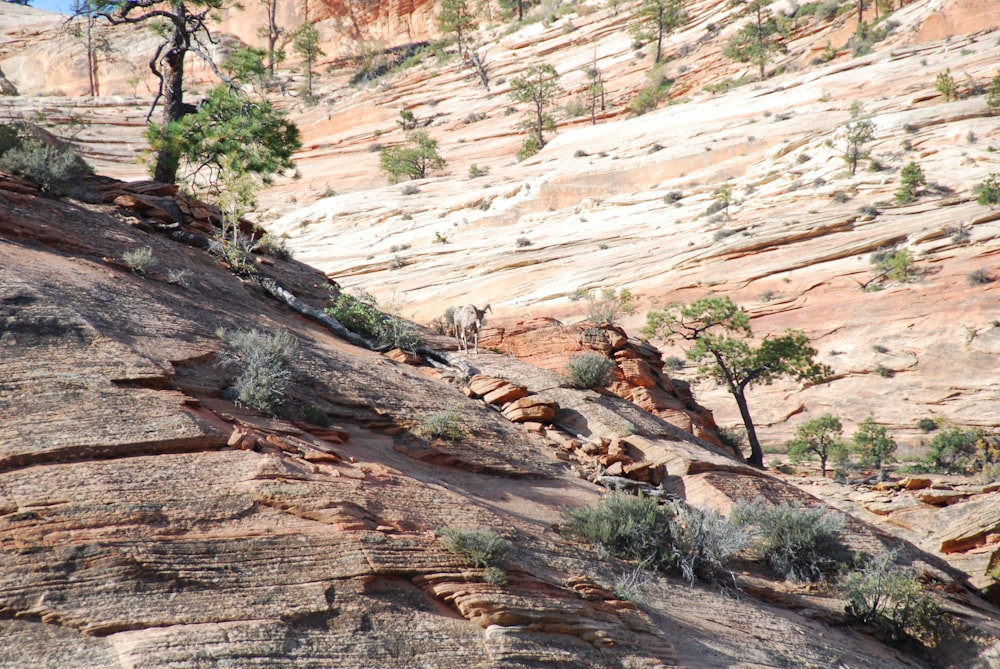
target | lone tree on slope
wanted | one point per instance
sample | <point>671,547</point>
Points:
<point>539,87</point>
<point>759,38</point>
<point>718,332</point>
<point>654,19</point>
<point>182,23</point>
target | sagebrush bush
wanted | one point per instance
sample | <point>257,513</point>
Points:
<point>799,543</point>
<point>56,169</point>
<point>703,540</point>
<point>591,370</point>
<point>630,527</point>
<point>482,548</point>
<point>264,363</point>
<point>443,425</point>
<point>891,599</point>
<point>139,259</point>
<point>628,585</point>
<point>669,537</point>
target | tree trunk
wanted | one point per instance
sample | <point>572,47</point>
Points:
<point>167,161</point>
<point>92,58</point>
<point>659,34</point>
<point>761,54</point>
<point>756,457</point>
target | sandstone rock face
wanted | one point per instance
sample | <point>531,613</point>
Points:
<point>146,520</point>
<point>639,375</point>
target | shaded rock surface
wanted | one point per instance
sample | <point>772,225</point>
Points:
<point>146,521</point>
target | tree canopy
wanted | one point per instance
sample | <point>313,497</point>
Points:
<point>760,37</point>
<point>183,27</point>
<point>412,161</point>
<point>537,86</point>
<point>654,19</point>
<point>719,335</point>
<point>818,437</point>
<point>229,132</point>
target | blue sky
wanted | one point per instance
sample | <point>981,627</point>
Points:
<point>58,6</point>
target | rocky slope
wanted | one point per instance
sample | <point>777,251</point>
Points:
<point>114,381</point>
<point>145,520</point>
<point>598,207</point>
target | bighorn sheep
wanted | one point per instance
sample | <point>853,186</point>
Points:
<point>466,318</point>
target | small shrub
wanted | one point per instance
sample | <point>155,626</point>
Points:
<point>945,84</point>
<point>580,153</point>
<point>607,305</point>
<point>799,543</point>
<point>891,599</point>
<point>926,424</point>
<point>733,437</point>
<point>445,425</point>
<point>495,576</point>
<point>840,197</point>
<point>397,262</point>
<point>55,169</point>
<point>703,541</point>
<point>276,245</point>
<point>139,260</point>
<point>953,450</point>
<point>673,363</point>
<point>673,197</point>
<point>911,181</point>
<point>361,315</point>
<point>314,415</point>
<point>868,210</point>
<point>178,277</point>
<point>481,548</point>
<point>630,527</point>
<point>884,371</point>
<point>993,93</point>
<point>475,171</point>
<point>647,99</point>
<point>439,238</point>
<point>410,189</point>
<point>979,277</point>
<point>959,234</point>
<point>591,370</point>
<point>522,242</point>
<point>264,361</point>
<point>628,585</point>
<point>987,192</point>
<point>895,264</point>
<point>529,147</point>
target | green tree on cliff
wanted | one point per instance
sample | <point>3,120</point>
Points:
<point>759,38</point>
<point>230,135</point>
<point>539,87</point>
<point>819,437</point>
<point>873,444</point>
<point>183,27</point>
<point>718,333</point>
<point>457,16</point>
<point>654,19</point>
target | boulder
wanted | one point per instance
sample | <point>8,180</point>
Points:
<point>530,408</point>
